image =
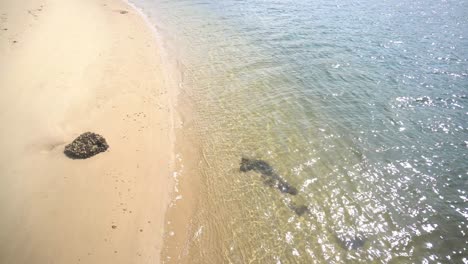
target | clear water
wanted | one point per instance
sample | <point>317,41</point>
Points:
<point>362,105</point>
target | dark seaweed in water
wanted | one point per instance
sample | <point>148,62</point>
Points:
<point>272,178</point>
<point>86,145</point>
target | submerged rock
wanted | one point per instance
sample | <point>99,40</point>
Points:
<point>352,243</point>
<point>299,209</point>
<point>272,179</point>
<point>285,187</point>
<point>86,145</point>
<point>259,166</point>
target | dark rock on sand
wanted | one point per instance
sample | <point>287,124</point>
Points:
<point>272,179</point>
<point>86,145</point>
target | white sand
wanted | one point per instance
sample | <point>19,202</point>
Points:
<point>67,67</point>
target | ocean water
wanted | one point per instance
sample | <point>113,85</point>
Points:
<point>361,105</point>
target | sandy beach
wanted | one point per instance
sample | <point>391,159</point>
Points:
<point>67,67</point>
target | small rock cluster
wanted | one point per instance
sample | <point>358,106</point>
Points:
<point>85,146</point>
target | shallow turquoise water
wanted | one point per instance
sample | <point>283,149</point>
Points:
<point>362,105</point>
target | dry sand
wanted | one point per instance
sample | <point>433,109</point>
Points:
<point>66,67</point>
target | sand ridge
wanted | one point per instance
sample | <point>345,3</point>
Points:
<point>67,67</point>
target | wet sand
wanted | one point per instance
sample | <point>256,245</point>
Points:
<point>67,67</point>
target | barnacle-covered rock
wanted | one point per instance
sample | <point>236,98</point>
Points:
<point>86,145</point>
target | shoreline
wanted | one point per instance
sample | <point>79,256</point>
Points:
<point>185,194</point>
<point>69,67</point>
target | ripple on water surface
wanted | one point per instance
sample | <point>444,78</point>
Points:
<point>361,105</point>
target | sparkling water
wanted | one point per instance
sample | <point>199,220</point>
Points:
<point>361,105</point>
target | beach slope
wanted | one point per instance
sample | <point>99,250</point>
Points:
<point>67,67</point>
